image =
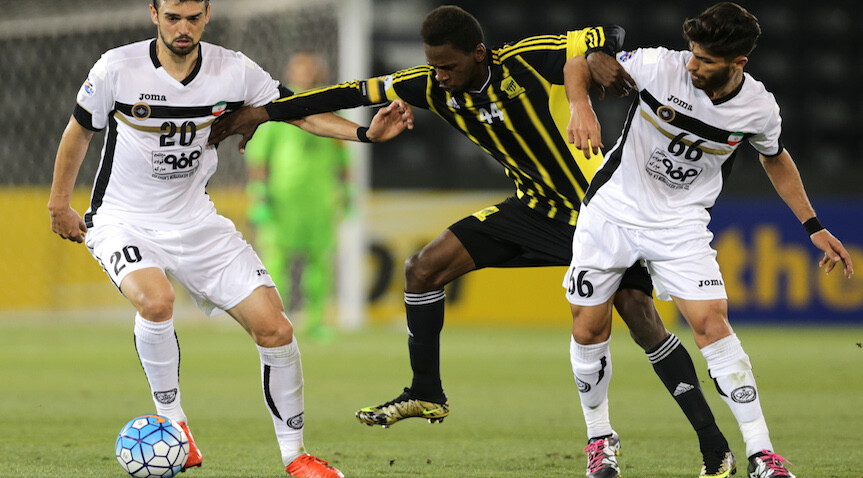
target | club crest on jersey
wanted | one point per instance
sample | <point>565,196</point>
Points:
<point>666,113</point>
<point>511,88</point>
<point>735,138</point>
<point>88,87</point>
<point>624,56</point>
<point>219,108</point>
<point>141,111</point>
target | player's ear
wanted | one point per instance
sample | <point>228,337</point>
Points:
<point>740,62</point>
<point>154,14</point>
<point>479,53</point>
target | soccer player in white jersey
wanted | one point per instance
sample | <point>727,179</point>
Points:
<point>649,201</point>
<point>150,216</point>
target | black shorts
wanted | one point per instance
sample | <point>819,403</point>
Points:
<point>510,234</point>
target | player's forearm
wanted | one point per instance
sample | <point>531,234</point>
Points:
<point>329,125</point>
<point>576,77</point>
<point>786,180</point>
<point>70,155</point>
<point>321,100</point>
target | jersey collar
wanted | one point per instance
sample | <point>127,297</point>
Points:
<point>730,96</point>
<point>485,85</point>
<point>158,64</point>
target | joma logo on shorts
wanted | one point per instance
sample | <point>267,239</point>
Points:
<point>709,282</point>
<point>152,97</point>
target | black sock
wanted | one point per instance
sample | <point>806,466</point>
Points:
<point>674,366</point>
<point>425,313</point>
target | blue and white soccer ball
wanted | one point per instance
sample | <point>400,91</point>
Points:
<point>152,446</point>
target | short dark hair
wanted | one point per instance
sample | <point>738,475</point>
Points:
<point>451,25</point>
<point>158,3</point>
<point>725,29</point>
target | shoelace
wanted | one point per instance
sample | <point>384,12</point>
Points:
<point>773,462</point>
<point>595,455</point>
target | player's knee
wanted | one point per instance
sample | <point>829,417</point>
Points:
<point>157,307</point>
<point>274,333</point>
<point>710,323</point>
<point>588,331</point>
<point>421,275</point>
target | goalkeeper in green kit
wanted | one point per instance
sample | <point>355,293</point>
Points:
<point>298,194</point>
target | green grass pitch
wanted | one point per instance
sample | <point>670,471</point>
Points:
<point>67,387</point>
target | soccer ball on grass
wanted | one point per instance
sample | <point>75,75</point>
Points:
<point>152,446</point>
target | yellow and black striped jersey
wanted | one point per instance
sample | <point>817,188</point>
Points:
<point>519,117</point>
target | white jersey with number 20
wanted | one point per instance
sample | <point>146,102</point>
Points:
<point>155,160</point>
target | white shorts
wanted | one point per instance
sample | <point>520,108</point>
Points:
<point>210,259</point>
<point>681,262</point>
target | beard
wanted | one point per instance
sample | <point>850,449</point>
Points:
<point>177,50</point>
<point>713,82</point>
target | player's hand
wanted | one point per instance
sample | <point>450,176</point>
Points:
<point>67,223</point>
<point>606,72</point>
<point>583,129</point>
<point>834,252</point>
<point>390,121</point>
<point>244,122</point>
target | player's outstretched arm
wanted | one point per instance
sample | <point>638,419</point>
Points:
<point>65,221</point>
<point>786,180</point>
<point>583,129</point>
<point>388,123</point>
<point>290,108</point>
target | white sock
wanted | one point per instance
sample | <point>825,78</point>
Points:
<point>730,368</point>
<point>282,375</point>
<point>159,353</point>
<point>591,367</point>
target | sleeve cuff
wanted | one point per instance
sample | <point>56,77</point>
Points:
<point>84,118</point>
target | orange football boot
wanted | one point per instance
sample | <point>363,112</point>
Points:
<point>309,466</point>
<point>195,458</point>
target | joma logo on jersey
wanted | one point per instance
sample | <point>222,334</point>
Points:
<point>709,282</point>
<point>152,97</point>
<point>679,102</point>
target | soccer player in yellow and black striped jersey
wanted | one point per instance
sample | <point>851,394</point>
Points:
<point>510,101</point>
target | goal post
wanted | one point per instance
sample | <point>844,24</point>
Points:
<point>355,20</point>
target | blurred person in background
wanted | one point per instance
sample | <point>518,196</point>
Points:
<point>511,102</point>
<point>298,188</point>
<point>150,216</point>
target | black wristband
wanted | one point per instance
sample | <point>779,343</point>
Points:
<point>605,49</point>
<point>361,134</point>
<point>812,226</point>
